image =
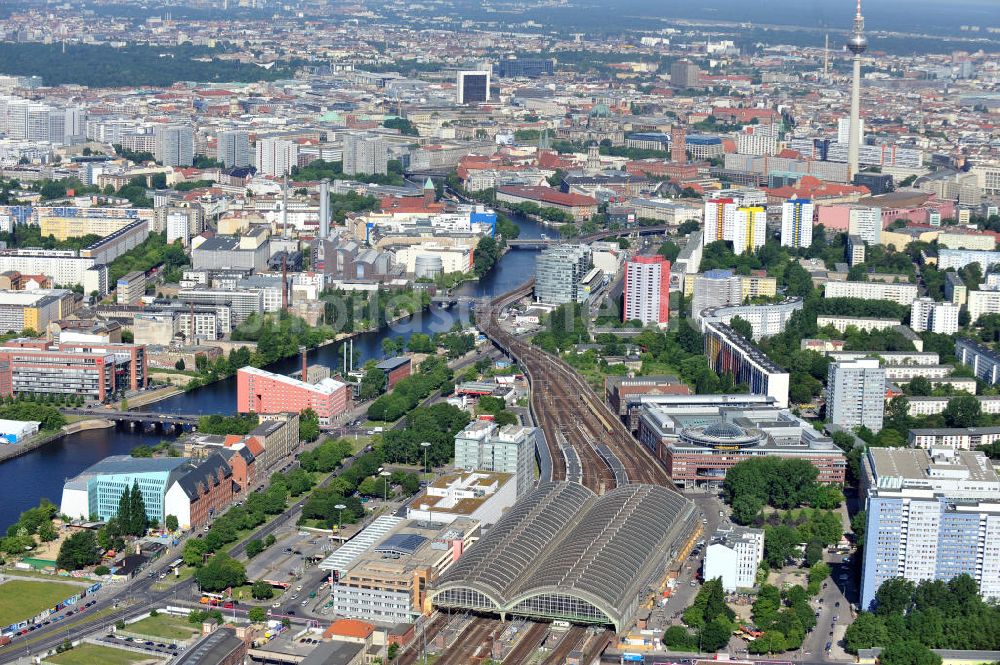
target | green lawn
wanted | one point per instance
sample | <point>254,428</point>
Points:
<point>23,599</point>
<point>165,626</point>
<point>94,654</point>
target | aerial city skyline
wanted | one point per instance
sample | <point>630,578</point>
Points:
<point>509,333</point>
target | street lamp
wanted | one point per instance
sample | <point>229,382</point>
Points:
<point>425,445</point>
<point>385,485</point>
<point>340,520</point>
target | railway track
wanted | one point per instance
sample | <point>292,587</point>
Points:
<point>525,648</point>
<point>571,640</point>
<point>474,641</point>
<point>571,414</point>
<point>413,650</point>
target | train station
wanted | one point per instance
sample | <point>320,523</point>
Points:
<point>564,553</point>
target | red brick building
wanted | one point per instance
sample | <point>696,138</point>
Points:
<point>395,369</point>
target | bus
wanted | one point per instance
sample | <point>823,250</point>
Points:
<point>176,563</point>
<point>633,658</point>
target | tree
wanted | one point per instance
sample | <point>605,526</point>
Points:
<point>962,411</point>
<point>372,382</point>
<point>179,365</point>
<point>308,425</point>
<point>79,550</point>
<point>920,387</point>
<point>814,553</point>
<point>261,590</point>
<point>677,638</point>
<point>220,573</point>
<point>254,547</point>
<point>257,615</point>
<point>779,545</point>
<point>742,326</point>
<point>894,596</point>
<point>907,652</point>
<point>170,522</point>
<point>715,635</point>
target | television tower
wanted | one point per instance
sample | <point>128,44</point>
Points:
<point>857,44</point>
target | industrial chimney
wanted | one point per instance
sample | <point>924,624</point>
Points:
<point>305,363</point>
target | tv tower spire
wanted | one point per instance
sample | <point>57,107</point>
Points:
<point>857,44</point>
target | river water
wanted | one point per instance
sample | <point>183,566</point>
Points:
<point>41,473</point>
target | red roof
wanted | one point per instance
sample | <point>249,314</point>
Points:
<point>349,628</point>
<point>549,195</point>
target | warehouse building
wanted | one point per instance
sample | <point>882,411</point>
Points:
<point>562,552</point>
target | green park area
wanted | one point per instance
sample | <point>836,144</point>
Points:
<point>164,626</point>
<point>23,599</point>
<point>96,654</point>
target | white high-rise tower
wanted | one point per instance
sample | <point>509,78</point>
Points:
<point>857,44</point>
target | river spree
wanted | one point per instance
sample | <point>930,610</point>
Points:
<point>41,473</point>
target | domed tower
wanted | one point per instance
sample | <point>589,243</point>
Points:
<point>856,44</point>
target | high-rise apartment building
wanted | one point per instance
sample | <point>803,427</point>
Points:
<point>937,317</point>
<point>276,157</point>
<point>559,271</point>
<point>749,229</point>
<point>685,74</point>
<point>174,145</point>
<point>647,290</point>
<point>797,223</point>
<point>866,223</point>
<point>482,446</point>
<point>365,155</point>
<point>720,214</point>
<point>932,515</point>
<point>233,148</point>
<point>758,140</point>
<point>473,87</point>
<point>855,394</point>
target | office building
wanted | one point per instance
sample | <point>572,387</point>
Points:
<point>796,223</point>
<point>365,155</point>
<point>932,515</point>
<point>729,353</point>
<point>97,490</point>
<point>855,394</point>
<point>260,391</point>
<point>513,67</point>
<point>937,317</point>
<point>276,157</point>
<point>482,496</point>
<point>866,223</point>
<point>482,446</point>
<point>559,272</point>
<point>698,440</point>
<point>174,145</point>
<point>92,370</point>
<point>904,294</point>
<point>733,555</point>
<point>131,288</point>
<point>685,74</point>
<point>204,490</point>
<point>472,87</point>
<point>647,290</point>
<point>233,149</point>
<point>232,306</point>
<point>247,252</point>
<point>384,573</point>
